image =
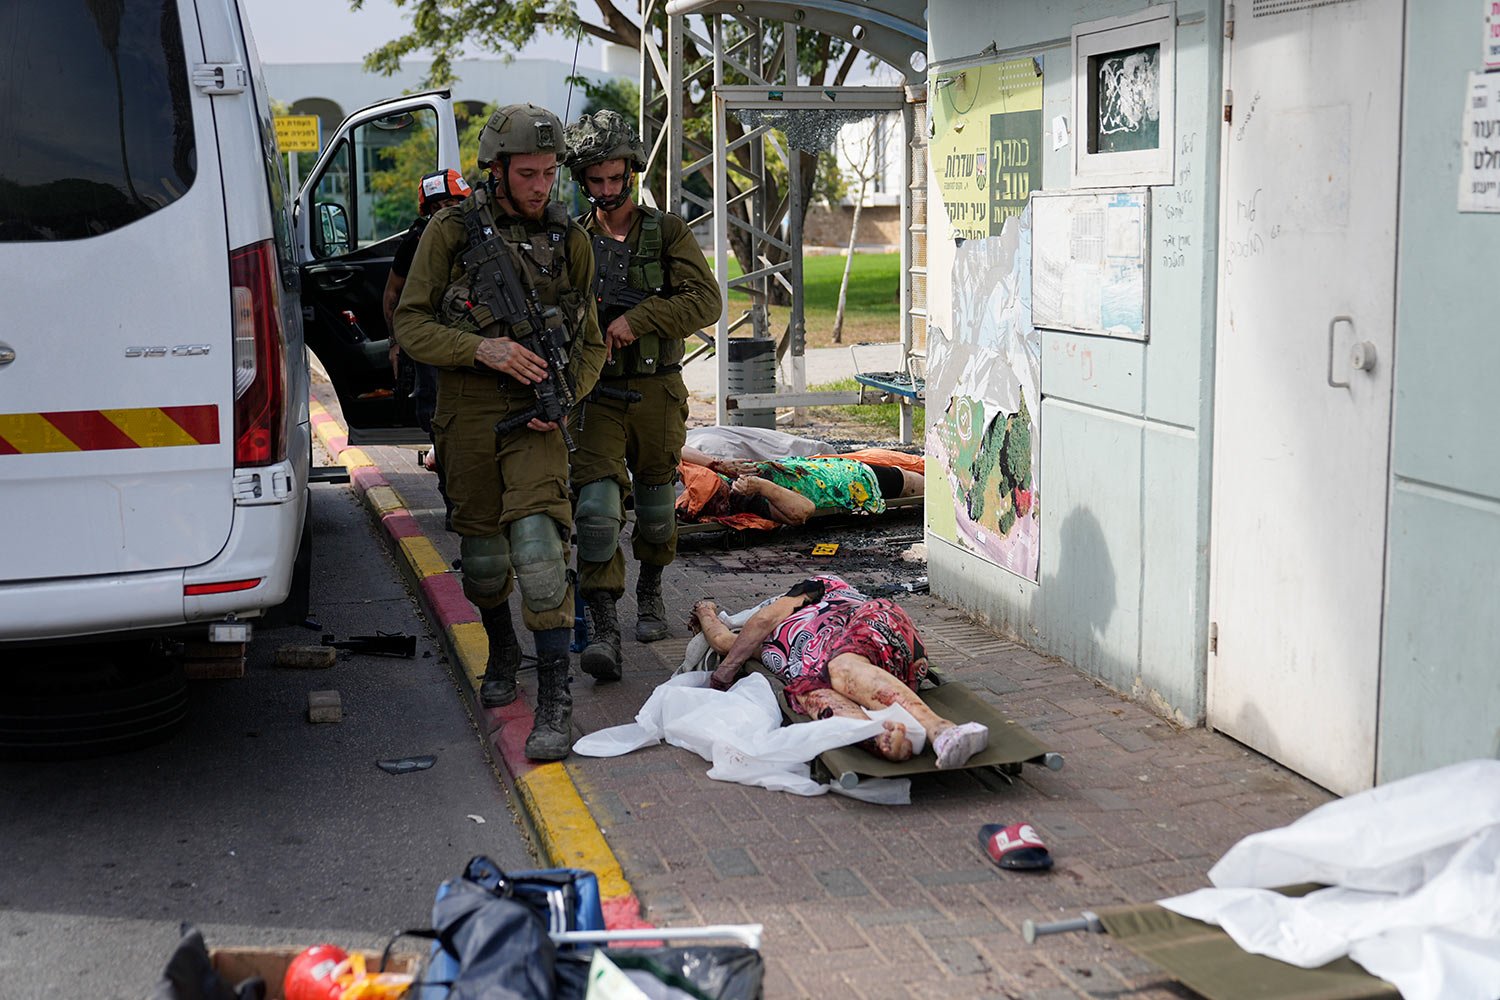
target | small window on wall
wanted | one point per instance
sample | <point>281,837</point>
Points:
<point>1124,96</point>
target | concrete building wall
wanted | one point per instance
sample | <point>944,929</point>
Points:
<point>1125,426</point>
<point>828,225</point>
<point>1440,685</point>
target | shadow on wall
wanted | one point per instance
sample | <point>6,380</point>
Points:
<point>1080,597</point>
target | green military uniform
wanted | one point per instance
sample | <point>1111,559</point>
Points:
<point>494,483</point>
<point>643,440</point>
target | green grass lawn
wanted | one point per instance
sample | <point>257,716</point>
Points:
<point>885,416</point>
<point>872,313</point>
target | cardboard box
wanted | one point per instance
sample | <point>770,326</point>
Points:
<point>235,965</point>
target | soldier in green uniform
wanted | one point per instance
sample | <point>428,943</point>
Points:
<point>654,290</point>
<point>509,484</point>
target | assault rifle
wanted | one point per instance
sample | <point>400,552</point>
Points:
<point>515,305</point>
<point>612,289</point>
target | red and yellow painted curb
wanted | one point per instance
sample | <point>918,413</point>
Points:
<point>568,833</point>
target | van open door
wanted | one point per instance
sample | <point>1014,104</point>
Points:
<point>358,202</point>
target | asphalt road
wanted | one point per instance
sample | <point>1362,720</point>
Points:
<point>252,823</point>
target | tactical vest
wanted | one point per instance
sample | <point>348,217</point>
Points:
<point>541,257</point>
<point>650,353</point>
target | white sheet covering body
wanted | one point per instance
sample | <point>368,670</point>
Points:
<point>753,444</point>
<point>739,731</point>
<point>1413,870</point>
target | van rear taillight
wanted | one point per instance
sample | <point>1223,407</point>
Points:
<point>259,357</point>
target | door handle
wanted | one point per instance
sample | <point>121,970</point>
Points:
<point>1362,355</point>
<point>1332,326</point>
<point>7,354</point>
<point>331,277</point>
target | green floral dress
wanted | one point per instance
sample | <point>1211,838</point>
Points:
<point>830,483</point>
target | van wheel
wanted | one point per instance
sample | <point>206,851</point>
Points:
<point>91,701</point>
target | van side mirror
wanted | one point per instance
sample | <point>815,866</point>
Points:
<point>330,231</point>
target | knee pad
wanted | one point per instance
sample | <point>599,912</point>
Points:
<point>656,513</point>
<point>536,553</point>
<point>486,563</point>
<point>597,520</point>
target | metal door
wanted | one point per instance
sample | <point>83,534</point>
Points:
<point>1303,380</point>
<point>353,213</point>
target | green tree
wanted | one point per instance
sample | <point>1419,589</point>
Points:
<point>450,29</point>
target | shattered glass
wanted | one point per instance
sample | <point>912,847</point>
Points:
<point>809,130</point>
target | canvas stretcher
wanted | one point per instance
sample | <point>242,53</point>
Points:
<point>1010,746</point>
<point>1205,959</point>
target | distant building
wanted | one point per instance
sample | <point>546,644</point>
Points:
<point>332,90</point>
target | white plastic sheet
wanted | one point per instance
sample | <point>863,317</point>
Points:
<point>739,732</point>
<point>1414,875</point>
<point>753,444</point>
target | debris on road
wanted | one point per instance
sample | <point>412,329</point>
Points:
<point>212,661</point>
<point>379,644</point>
<point>306,657</point>
<point>324,706</point>
<point>405,765</point>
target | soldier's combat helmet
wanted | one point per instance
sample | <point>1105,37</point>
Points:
<point>518,129</point>
<point>596,138</point>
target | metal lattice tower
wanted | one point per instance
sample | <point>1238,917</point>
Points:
<point>755,41</point>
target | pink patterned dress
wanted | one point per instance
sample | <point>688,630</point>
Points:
<point>838,619</point>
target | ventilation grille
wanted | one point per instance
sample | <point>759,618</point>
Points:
<point>1270,8</point>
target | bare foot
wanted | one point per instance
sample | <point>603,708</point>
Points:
<point>956,744</point>
<point>893,744</point>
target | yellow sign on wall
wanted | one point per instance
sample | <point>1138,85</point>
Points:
<point>987,143</point>
<point>297,133</point>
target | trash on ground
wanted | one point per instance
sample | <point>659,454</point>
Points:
<point>379,644</point>
<point>405,765</point>
<point>825,549</point>
<point>324,706</point>
<point>306,657</point>
<point>196,972</point>
<point>1015,846</point>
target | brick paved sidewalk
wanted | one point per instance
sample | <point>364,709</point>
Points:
<point>869,901</point>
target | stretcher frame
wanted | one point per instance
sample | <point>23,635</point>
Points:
<point>704,527</point>
<point>1011,744</point>
<point>1205,959</point>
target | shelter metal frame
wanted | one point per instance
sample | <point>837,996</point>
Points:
<point>667,83</point>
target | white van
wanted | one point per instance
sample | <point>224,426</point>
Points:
<point>154,435</point>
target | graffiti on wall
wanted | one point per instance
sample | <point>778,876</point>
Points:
<point>984,355</point>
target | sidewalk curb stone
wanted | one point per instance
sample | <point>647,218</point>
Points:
<point>569,835</point>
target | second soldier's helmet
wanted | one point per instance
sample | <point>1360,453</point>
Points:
<point>603,135</point>
<point>518,129</point>
<point>437,186</point>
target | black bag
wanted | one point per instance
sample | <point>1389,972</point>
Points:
<point>566,899</point>
<point>691,972</point>
<point>190,975</point>
<point>497,947</point>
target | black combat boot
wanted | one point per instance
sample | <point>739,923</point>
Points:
<point>601,657</point>
<point>551,731</point>
<point>499,684</point>
<point>650,611</point>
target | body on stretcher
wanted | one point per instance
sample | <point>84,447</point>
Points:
<point>699,527</point>
<point>1010,745</point>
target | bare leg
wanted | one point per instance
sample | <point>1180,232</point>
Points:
<point>893,744</point>
<point>867,685</point>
